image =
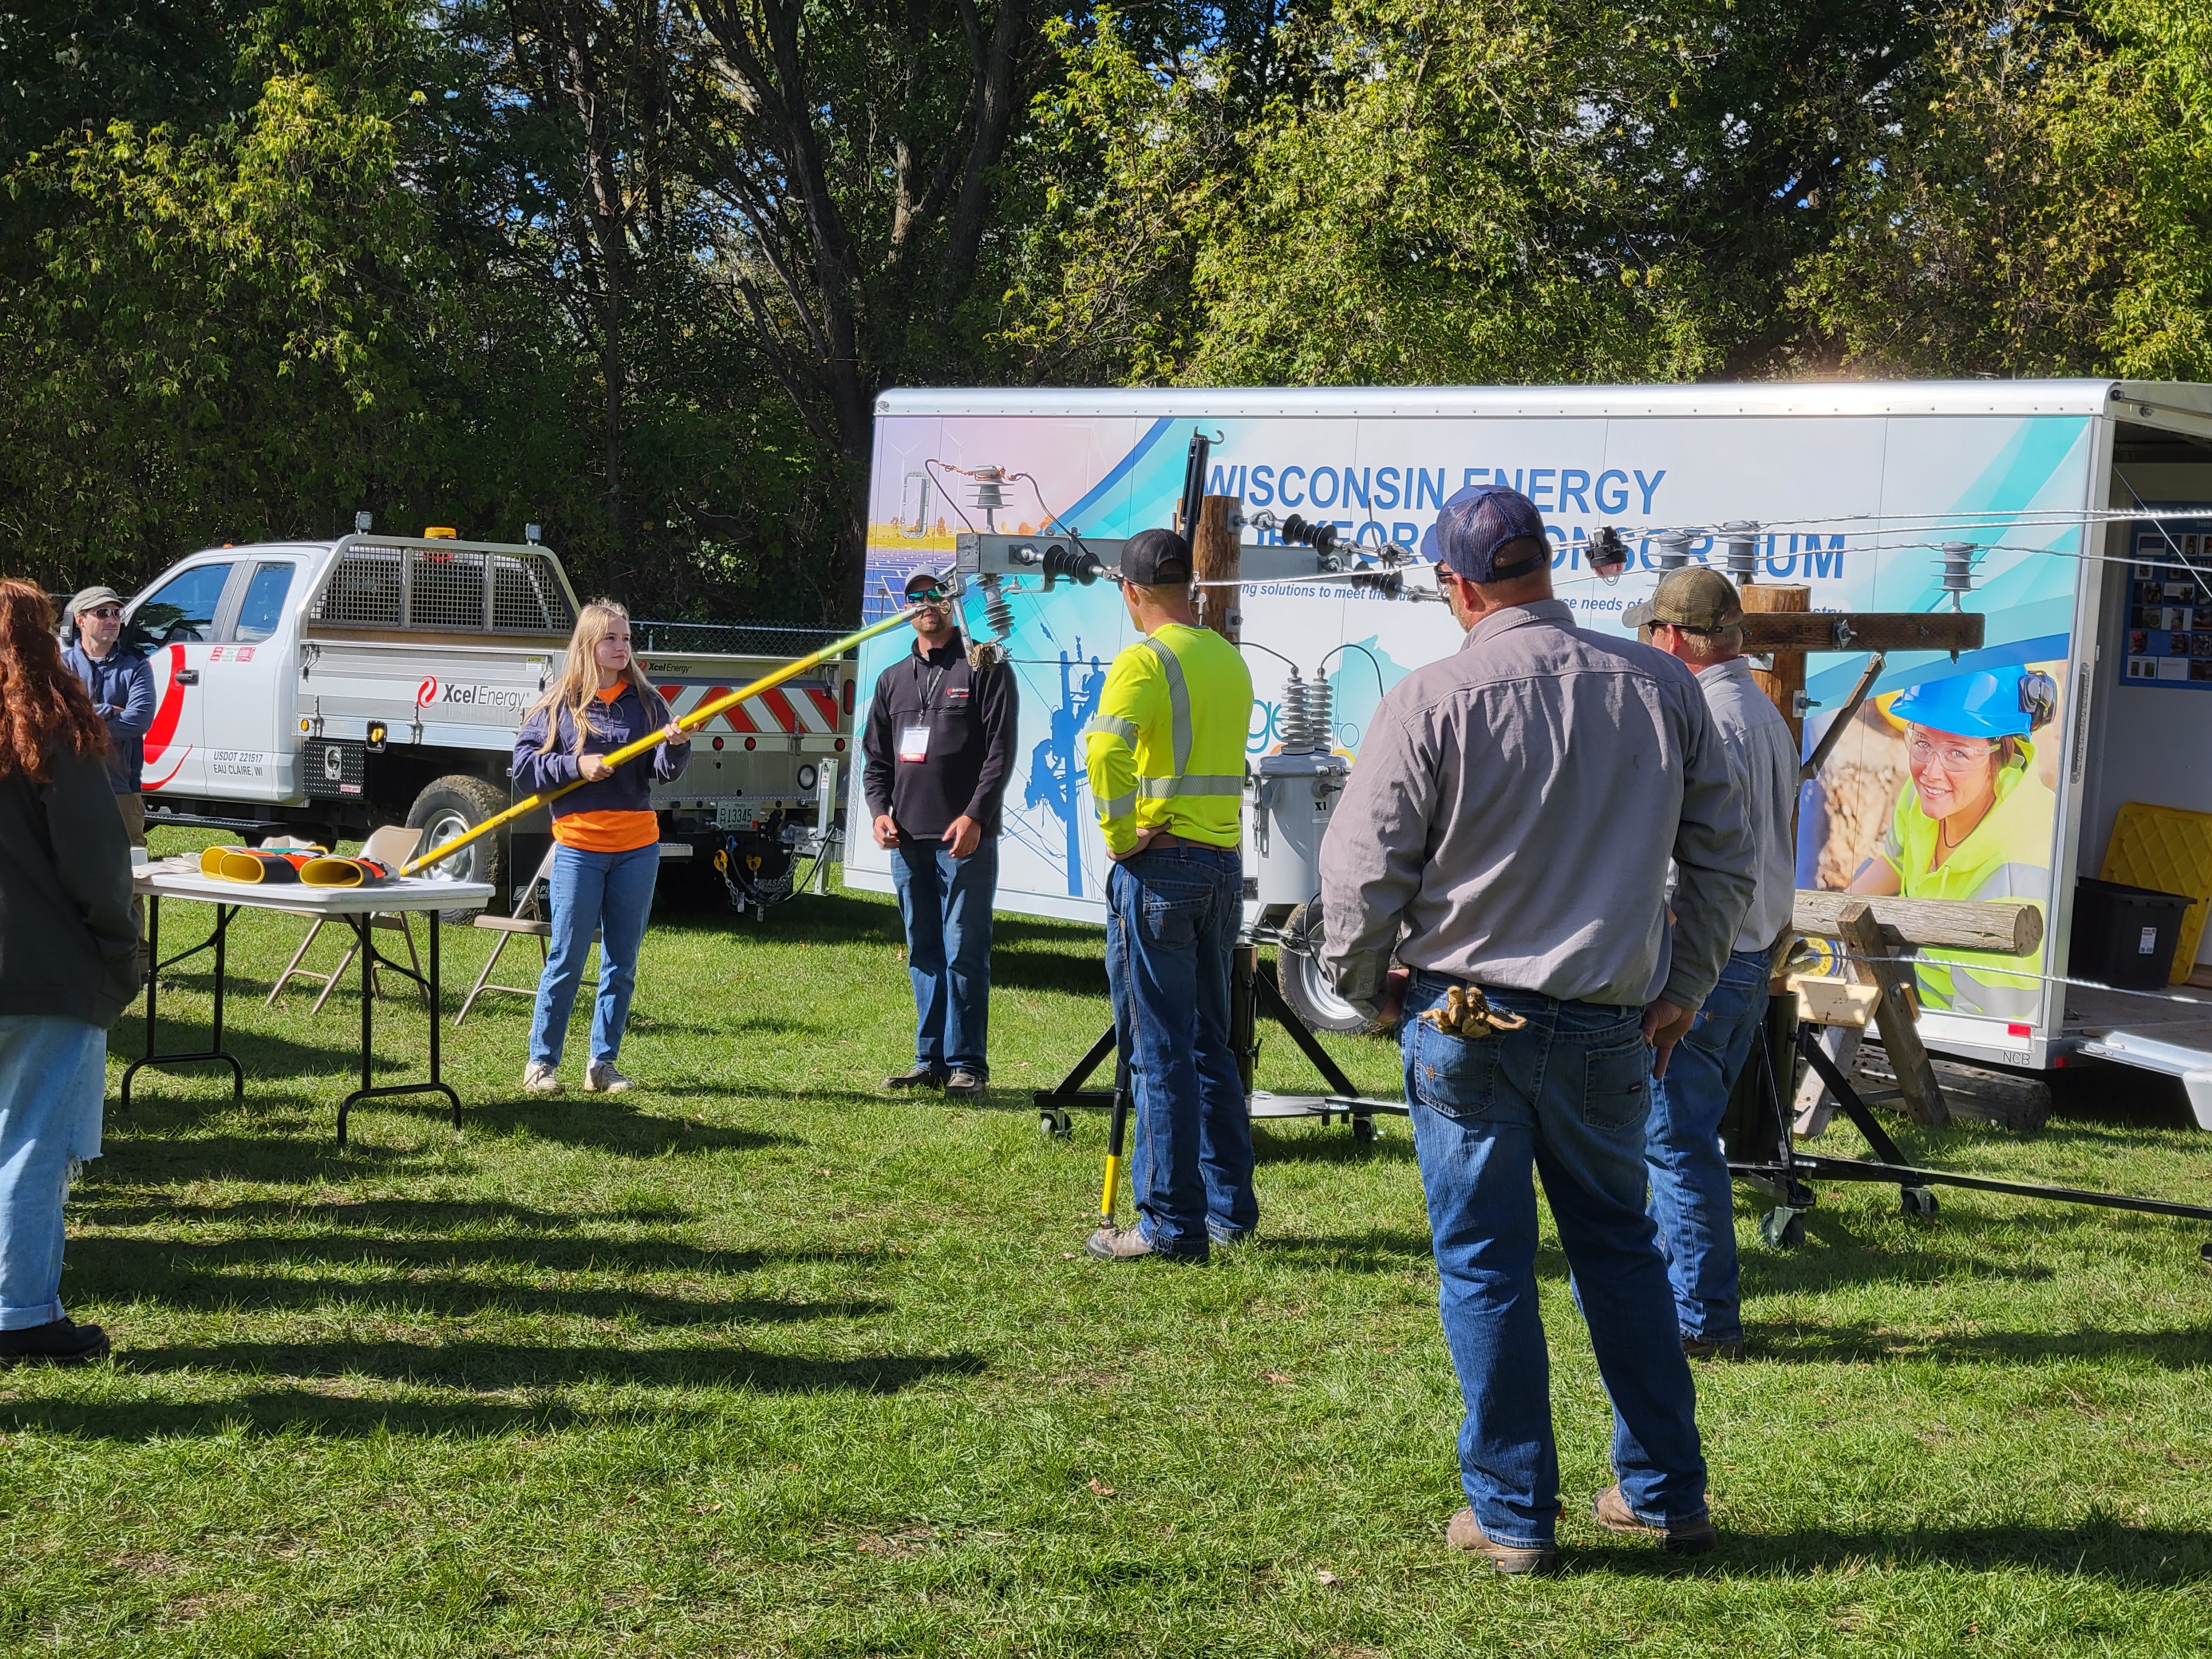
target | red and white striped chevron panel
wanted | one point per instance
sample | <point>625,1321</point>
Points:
<point>793,708</point>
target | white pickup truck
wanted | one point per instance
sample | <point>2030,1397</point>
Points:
<point>325,688</point>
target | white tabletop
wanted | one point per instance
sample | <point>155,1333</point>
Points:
<point>181,878</point>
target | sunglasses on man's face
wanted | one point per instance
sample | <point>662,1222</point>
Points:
<point>105,613</point>
<point>931,596</point>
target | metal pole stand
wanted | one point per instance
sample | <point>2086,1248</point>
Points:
<point>1250,994</point>
<point>1775,1168</point>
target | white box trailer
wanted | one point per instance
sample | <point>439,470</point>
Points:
<point>329,687</point>
<point>2085,502</point>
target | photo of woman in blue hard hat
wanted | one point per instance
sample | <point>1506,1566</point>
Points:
<point>1975,823</point>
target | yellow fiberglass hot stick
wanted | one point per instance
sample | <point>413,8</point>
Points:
<point>645,745</point>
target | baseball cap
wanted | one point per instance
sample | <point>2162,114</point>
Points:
<point>1152,557</point>
<point>923,577</point>
<point>91,599</point>
<point>1695,597</point>
<point>1475,524</point>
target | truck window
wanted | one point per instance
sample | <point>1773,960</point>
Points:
<point>182,608</point>
<point>262,609</point>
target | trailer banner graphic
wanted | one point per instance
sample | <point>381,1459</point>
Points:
<point>1844,505</point>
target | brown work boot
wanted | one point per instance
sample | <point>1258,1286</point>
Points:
<point>1698,1347</point>
<point>1127,1244</point>
<point>1691,1536</point>
<point>1117,1244</point>
<point>1466,1533</point>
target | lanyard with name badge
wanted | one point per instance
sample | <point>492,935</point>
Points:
<point>914,741</point>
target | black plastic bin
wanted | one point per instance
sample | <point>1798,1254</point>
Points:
<point>2123,935</point>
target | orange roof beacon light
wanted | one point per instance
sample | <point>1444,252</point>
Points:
<point>441,532</point>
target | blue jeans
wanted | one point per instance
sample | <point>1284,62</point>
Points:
<point>1691,1199</point>
<point>1171,921</point>
<point>53,1078</point>
<point>611,894</point>
<point>1566,1095</point>
<point>946,904</point>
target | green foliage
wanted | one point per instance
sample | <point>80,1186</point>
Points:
<point>1469,190</point>
<point>2160,321</point>
<point>225,330</point>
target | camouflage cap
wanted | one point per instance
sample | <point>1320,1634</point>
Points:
<point>1695,597</point>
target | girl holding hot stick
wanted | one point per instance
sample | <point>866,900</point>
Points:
<point>607,839</point>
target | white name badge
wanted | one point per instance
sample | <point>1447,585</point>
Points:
<point>913,744</point>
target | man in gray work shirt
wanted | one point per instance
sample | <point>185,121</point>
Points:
<point>1696,618</point>
<point>1507,831</point>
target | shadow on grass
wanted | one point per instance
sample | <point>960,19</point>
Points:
<point>1381,1249</point>
<point>300,1148</point>
<point>410,1215</point>
<point>457,1297</point>
<point>337,1412</point>
<point>620,1129</point>
<point>136,1267</point>
<point>1315,1143</point>
<point>2186,1349</point>
<point>2100,1547</point>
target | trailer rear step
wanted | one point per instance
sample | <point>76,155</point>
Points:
<point>2171,1036</point>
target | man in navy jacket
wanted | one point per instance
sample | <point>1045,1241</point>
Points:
<point>120,682</point>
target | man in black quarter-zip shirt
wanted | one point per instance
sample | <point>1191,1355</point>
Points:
<point>939,739</point>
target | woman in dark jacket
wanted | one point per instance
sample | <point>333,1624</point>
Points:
<point>69,964</point>
<point>607,841</point>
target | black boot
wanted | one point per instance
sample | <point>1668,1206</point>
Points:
<point>58,1342</point>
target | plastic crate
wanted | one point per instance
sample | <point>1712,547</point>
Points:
<point>2123,936</point>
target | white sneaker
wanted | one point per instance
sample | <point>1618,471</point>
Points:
<point>600,1078</point>
<point>538,1079</point>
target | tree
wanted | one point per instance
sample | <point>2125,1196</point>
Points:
<point>857,150</point>
<point>223,332</point>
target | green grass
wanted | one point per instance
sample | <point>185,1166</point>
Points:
<point>754,1360</point>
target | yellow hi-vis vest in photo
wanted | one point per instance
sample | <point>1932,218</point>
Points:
<point>2007,856</point>
<point>1166,748</point>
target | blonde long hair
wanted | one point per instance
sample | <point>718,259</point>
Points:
<point>577,686</point>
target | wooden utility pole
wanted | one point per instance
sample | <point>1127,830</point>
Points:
<point>1783,683</point>
<point>1216,558</point>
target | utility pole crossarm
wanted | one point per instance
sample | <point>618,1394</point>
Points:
<point>1862,630</point>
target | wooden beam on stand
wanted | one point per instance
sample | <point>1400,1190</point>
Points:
<point>1861,936</point>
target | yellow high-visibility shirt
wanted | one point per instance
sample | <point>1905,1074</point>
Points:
<point>2007,856</point>
<point>1166,748</point>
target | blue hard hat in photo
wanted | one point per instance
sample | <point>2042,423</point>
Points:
<point>2002,702</point>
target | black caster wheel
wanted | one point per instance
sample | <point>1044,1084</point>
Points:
<point>1362,1131</point>
<point>1055,1125</point>
<point>1783,1227</point>
<point>1916,1200</point>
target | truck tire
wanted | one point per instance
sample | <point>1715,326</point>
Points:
<point>1305,986</point>
<point>452,807</point>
